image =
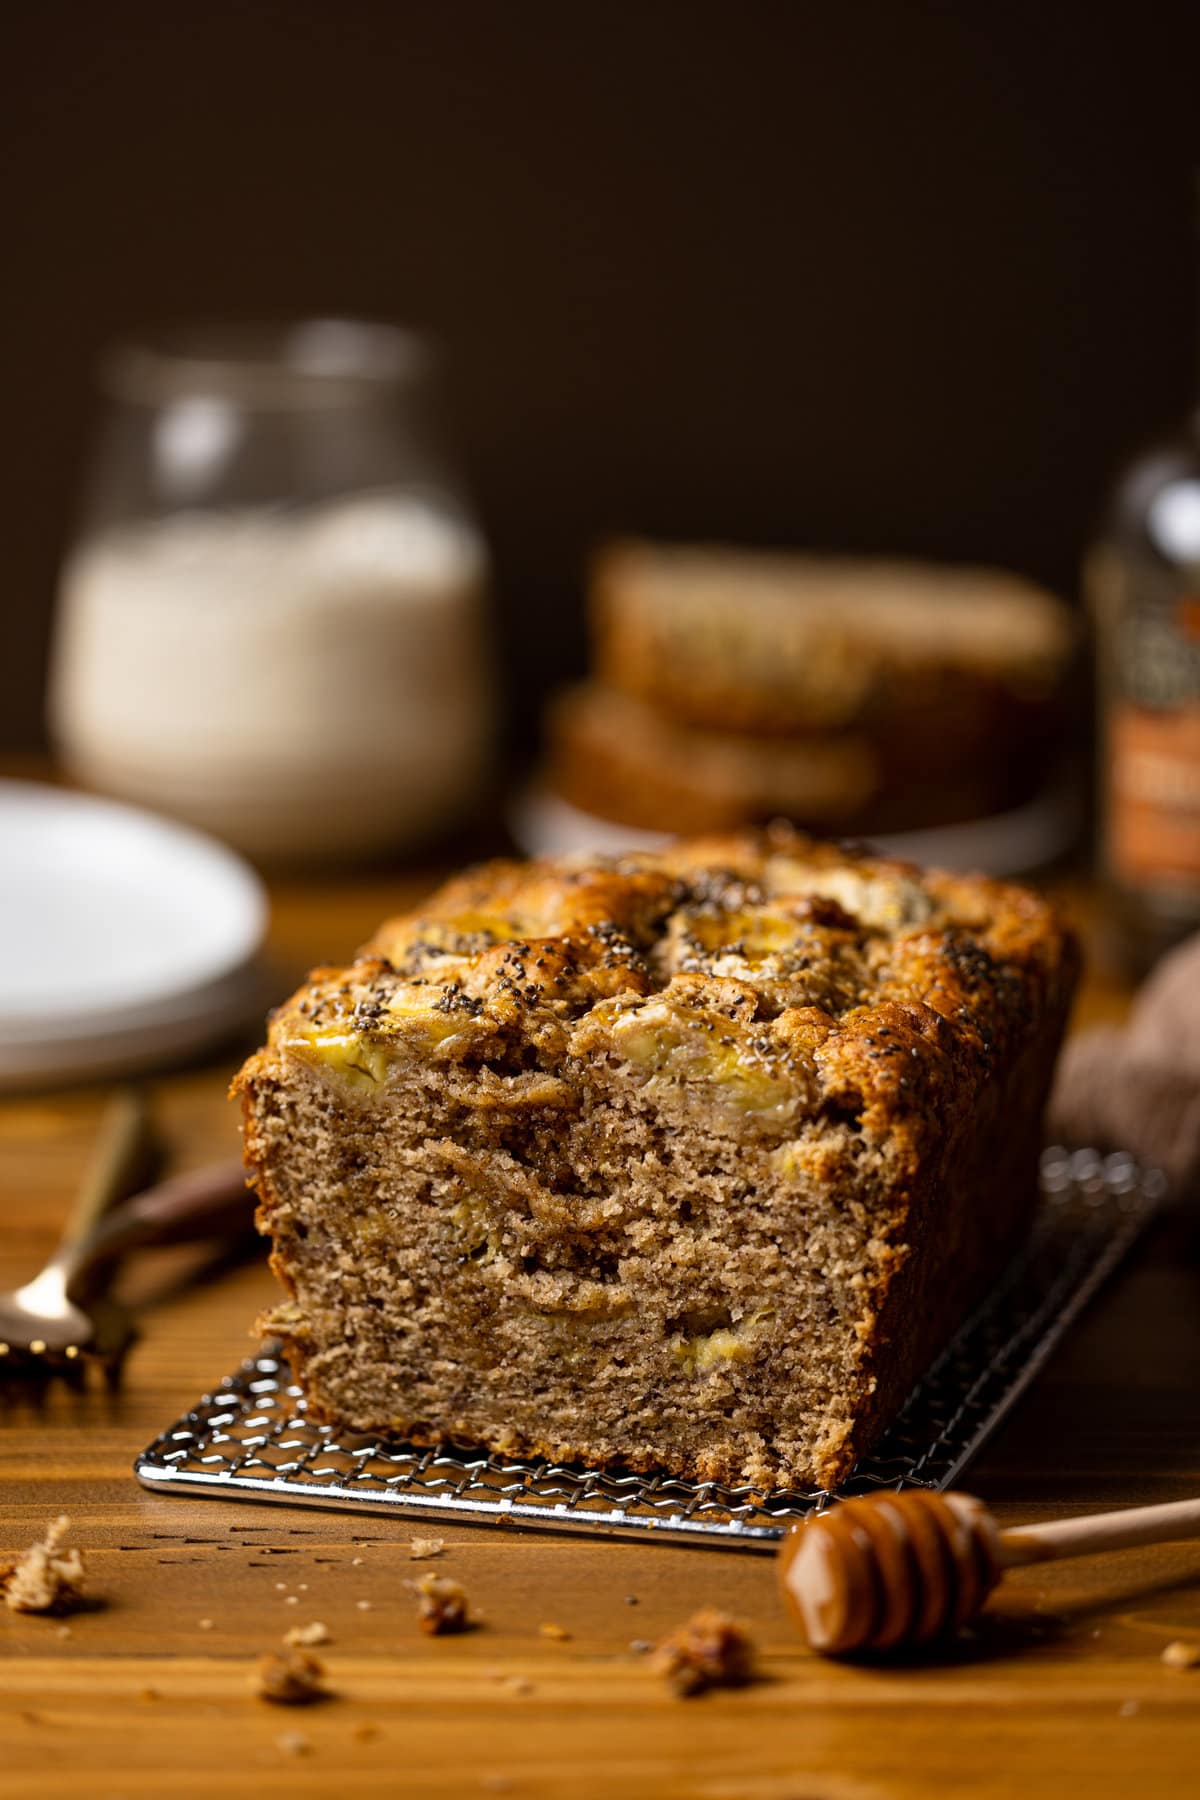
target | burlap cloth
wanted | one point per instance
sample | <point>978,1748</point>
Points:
<point>1138,1089</point>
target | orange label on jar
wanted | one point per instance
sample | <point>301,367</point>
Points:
<point>1154,794</point>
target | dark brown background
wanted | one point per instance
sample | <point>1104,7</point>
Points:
<point>888,276</point>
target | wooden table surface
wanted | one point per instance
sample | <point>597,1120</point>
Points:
<point>1061,1692</point>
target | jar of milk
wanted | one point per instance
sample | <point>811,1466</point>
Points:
<point>273,622</point>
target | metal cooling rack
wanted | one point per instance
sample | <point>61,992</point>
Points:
<point>250,1439</point>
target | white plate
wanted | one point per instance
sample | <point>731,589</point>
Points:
<point>1007,844</point>
<point>123,937</point>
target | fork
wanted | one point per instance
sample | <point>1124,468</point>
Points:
<point>64,1312</point>
<point>39,1319</point>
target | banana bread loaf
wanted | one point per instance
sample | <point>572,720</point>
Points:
<point>688,1161</point>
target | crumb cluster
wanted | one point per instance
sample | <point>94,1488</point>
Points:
<point>442,1605</point>
<point>46,1578</point>
<point>305,1636</point>
<point>290,1678</point>
<point>293,1743</point>
<point>710,1650</point>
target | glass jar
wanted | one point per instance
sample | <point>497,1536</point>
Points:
<point>272,624</point>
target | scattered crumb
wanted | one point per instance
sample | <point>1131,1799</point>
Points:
<point>149,1693</point>
<point>45,1578</point>
<point>631,1599</point>
<point>294,1743</point>
<point>205,1624</point>
<point>303,1636</point>
<point>515,1684</point>
<point>441,1605</point>
<point>64,1631</point>
<point>422,1549</point>
<point>1128,1709</point>
<point>1181,1654</point>
<point>363,1605</point>
<point>640,1646</point>
<point>356,1562</point>
<point>548,1629</point>
<point>710,1650</point>
<point>290,1678</point>
<point>291,1600</point>
<point>281,1587</point>
<point>364,1731</point>
<point>303,1586</point>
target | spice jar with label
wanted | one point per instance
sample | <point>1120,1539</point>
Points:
<point>1143,580</point>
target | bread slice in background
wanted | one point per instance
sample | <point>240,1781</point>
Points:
<point>763,641</point>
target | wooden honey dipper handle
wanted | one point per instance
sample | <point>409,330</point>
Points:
<point>1095,1532</point>
<point>891,1569</point>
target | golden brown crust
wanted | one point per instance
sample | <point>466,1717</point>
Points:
<point>805,953</point>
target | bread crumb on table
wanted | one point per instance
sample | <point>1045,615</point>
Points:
<point>46,1578</point>
<point>290,1678</point>
<point>364,1731</point>
<point>294,1743</point>
<point>442,1605</point>
<point>422,1549</point>
<point>548,1629</point>
<point>710,1650</point>
<point>302,1636</point>
<point>1182,1654</point>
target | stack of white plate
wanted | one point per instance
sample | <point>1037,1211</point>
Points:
<point>125,939</point>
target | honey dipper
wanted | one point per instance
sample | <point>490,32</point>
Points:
<point>894,1569</point>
